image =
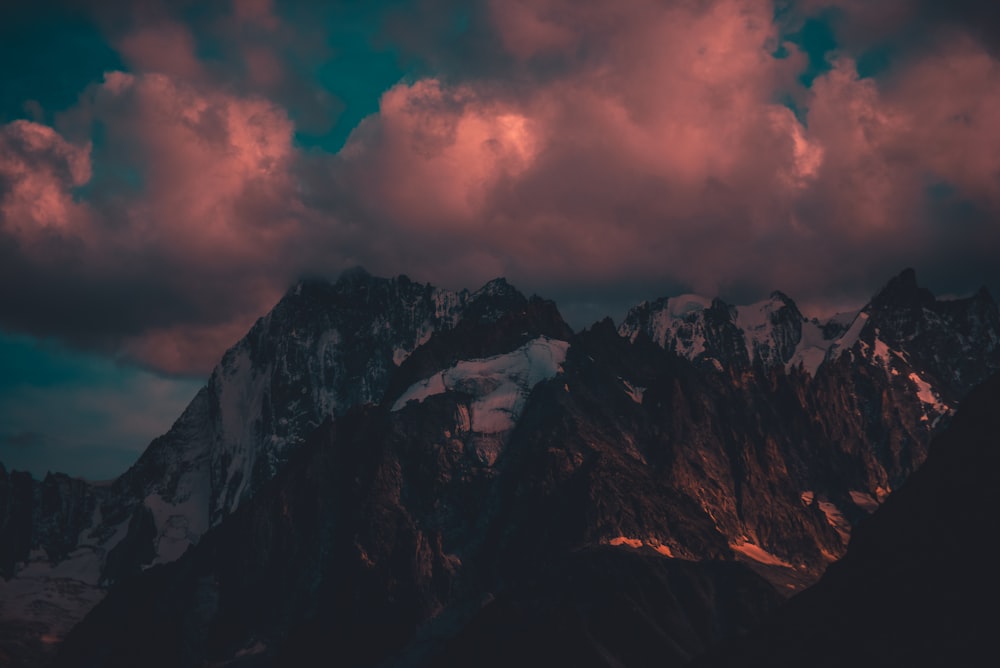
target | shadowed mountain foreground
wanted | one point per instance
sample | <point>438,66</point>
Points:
<point>919,584</point>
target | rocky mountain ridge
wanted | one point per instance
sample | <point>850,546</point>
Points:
<point>558,441</point>
<point>323,349</point>
<point>918,585</point>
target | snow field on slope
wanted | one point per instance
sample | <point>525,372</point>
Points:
<point>500,384</point>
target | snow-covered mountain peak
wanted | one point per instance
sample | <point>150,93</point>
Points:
<point>683,305</point>
<point>903,321</point>
<point>453,372</point>
<point>698,328</point>
<point>323,349</point>
<point>771,328</point>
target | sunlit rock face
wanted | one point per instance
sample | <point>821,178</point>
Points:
<point>378,461</point>
<point>919,581</point>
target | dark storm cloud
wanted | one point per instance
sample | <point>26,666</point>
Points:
<point>980,18</point>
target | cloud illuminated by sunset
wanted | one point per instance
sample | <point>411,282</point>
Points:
<point>647,145</point>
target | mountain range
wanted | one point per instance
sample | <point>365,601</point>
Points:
<point>387,473</point>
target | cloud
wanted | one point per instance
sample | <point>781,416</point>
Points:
<point>661,149</point>
<point>668,134</point>
<point>641,146</point>
<point>166,47</point>
<point>38,169</point>
<point>184,223</point>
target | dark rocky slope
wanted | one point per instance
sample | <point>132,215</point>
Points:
<point>919,585</point>
<point>479,449</point>
<point>384,536</point>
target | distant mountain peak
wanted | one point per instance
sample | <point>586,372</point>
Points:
<point>436,421</point>
<point>498,287</point>
<point>902,291</point>
<point>984,295</point>
<point>778,295</point>
<point>354,274</point>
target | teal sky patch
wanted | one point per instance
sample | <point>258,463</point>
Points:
<point>80,413</point>
<point>49,60</point>
<point>816,39</point>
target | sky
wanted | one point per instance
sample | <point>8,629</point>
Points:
<point>169,168</point>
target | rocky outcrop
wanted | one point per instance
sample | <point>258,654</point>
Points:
<point>377,458</point>
<point>391,538</point>
<point>324,348</point>
<point>919,583</point>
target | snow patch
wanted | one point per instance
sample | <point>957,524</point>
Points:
<point>882,353</point>
<point>814,347</point>
<point>811,349</point>
<point>399,355</point>
<point>758,554</point>
<point>56,596</point>
<point>634,391</point>
<point>179,525</point>
<point>853,332</point>
<point>927,397</point>
<point>758,331</point>
<point>677,326</point>
<point>499,385</point>
<point>682,305</point>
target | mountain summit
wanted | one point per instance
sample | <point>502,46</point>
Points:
<point>402,466</point>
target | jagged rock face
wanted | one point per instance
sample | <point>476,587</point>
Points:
<point>385,535</point>
<point>50,513</point>
<point>387,532</point>
<point>766,333</point>
<point>953,342</point>
<point>875,385</point>
<point>494,443</point>
<point>323,349</point>
<point>919,583</point>
<point>951,345</point>
<point>691,326</point>
<point>46,583</point>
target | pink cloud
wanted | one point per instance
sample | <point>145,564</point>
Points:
<point>209,160</point>
<point>166,47</point>
<point>256,12</point>
<point>441,150</point>
<point>215,209</point>
<point>193,348</point>
<point>624,164</point>
<point>951,98</point>
<point>661,152</point>
<point>526,31</point>
<point>38,169</point>
<point>651,149</point>
<point>264,68</point>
